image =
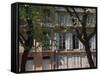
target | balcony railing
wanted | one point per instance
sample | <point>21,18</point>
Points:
<point>52,60</point>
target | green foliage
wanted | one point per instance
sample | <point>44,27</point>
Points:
<point>36,16</point>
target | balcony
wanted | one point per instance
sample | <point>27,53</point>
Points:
<point>52,60</point>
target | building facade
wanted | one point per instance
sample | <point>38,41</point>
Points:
<point>67,50</point>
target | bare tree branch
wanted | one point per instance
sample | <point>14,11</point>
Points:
<point>76,29</point>
<point>69,11</point>
<point>92,34</point>
<point>22,36</point>
<point>21,41</point>
<point>84,23</point>
<point>79,36</point>
<point>77,16</point>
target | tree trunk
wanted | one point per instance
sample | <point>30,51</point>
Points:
<point>23,60</point>
<point>89,55</point>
